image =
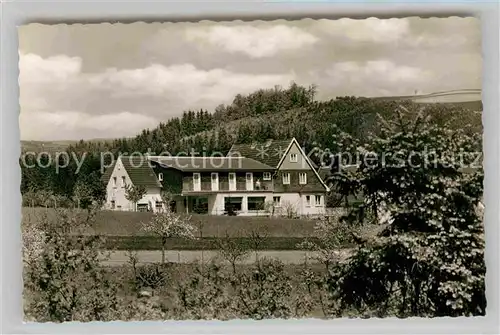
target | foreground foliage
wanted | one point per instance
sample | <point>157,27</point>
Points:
<point>63,279</point>
<point>430,258</point>
<point>427,258</point>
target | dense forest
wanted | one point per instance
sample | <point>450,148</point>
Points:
<point>277,113</point>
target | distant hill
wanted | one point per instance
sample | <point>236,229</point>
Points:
<point>53,146</point>
<point>48,146</point>
<point>467,99</point>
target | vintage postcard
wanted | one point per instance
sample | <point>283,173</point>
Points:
<point>252,170</point>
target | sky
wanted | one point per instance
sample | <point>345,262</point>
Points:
<point>85,81</point>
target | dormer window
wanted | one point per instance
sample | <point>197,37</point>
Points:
<point>267,176</point>
<point>294,158</point>
<point>160,176</point>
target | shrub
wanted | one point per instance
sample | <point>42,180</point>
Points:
<point>65,282</point>
<point>153,276</point>
<point>205,295</point>
<point>264,292</point>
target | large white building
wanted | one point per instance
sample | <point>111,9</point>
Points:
<point>269,178</point>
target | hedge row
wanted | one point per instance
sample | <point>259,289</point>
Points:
<point>206,243</point>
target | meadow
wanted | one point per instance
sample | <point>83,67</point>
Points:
<point>123,230</point>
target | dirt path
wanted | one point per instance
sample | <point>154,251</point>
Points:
<point>118,258</point>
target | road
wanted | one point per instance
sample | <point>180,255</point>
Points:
<point>118,258</point>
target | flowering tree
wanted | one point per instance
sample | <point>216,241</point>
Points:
<point>168,224</point>
<point>63,277</point>
<point>430,259</point>
<point>331,234</point>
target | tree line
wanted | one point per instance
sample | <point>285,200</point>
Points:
<point>277,113</point>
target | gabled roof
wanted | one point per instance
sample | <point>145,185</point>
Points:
<point>106,176</point>
<point>324,172</point>
<point>193,164</point>
<point>269,152</point>
<point>311,164</point>
<point>138,169</point>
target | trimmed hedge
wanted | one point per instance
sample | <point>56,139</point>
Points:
<point>206,243</point>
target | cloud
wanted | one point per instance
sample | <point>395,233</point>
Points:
<point>54,70</point>
<point>369,30</point>
<point>159,70</point>
<point>63,125</point>
<point>431,41</point>
<point>256,42</point>
<point>186,83</point>
<point>378,77</point>
<point>125,100</point>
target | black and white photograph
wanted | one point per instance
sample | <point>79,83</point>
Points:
<point>221,170</point>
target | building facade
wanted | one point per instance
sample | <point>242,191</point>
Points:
<point>272,178</point>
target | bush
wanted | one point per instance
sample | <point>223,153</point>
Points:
<point>152,276</point>
<point>430,259</point>
<point>264,292</point>
<point>64,282</point>
<point>205,295</point>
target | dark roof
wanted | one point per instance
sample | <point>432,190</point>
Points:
<point>107,173</point>
<point>138,169</point>
<point>324,172</point>
<point>188,164</point>
<point>269,153</point>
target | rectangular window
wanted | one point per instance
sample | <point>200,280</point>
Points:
<point>123,181</point>
<point>302,178</point>
<point>112,204</point>
<point>249,181</point>
<point>160,176</point>
<point>196,182</point>
<point>159,205</point>
<point>267,176</point>
<point>255,203</point>
<point>232,181</point>
<point>294,158</point>
<point>142,207</point>
<point>308,200</point>
<point>277,201</point>
<point>286,178</point>
<point>318,200</point>
<point>215,181</point>
<point>114,181</point>
<point>233,203</point>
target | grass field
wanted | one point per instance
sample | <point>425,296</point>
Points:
<point>123,230</point>
<point>121,223</point>
<point>206,243</point>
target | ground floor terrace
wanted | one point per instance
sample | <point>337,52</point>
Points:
<point>252,204</point>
